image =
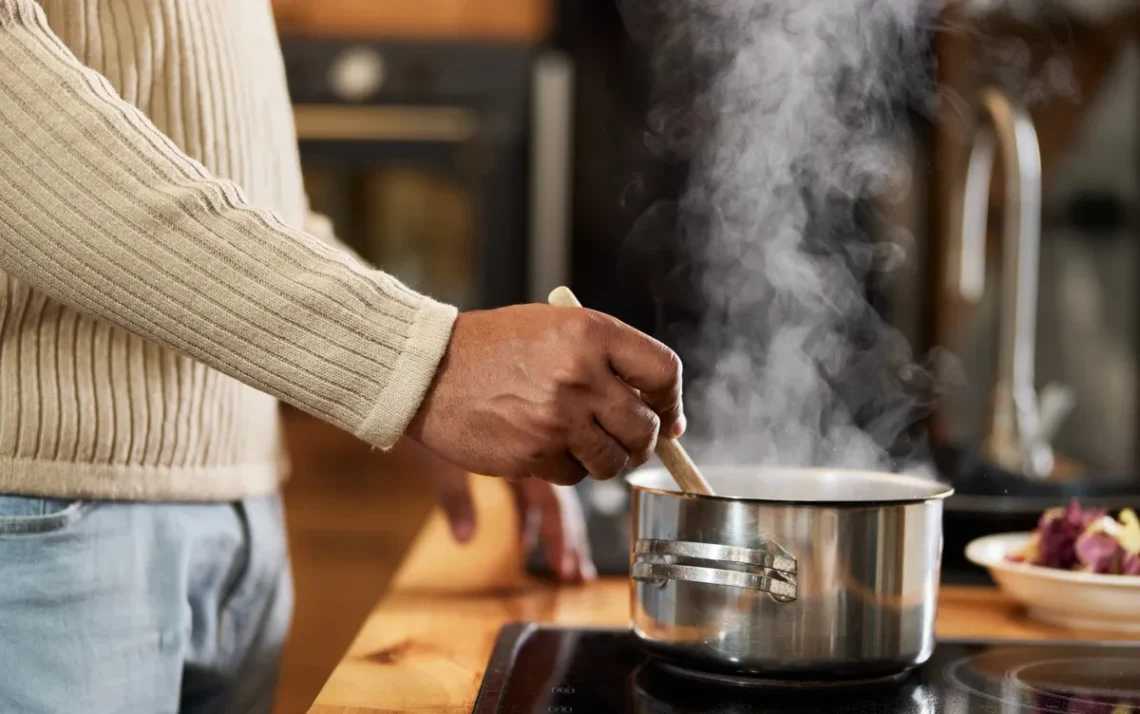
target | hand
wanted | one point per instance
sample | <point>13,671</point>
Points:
<point>552,392</point>
<point>553,511</point>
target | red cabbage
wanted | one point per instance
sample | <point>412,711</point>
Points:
<point>1058,532</point>
<point>1100,552</point>
<point>1073,538</point>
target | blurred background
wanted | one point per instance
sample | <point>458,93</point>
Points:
<point>486,151</point>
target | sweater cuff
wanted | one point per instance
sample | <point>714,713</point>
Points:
<point>408,383</point>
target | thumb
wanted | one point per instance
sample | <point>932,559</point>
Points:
<point>455,499</point>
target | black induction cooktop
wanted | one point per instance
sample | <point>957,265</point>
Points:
<point>546,670</point>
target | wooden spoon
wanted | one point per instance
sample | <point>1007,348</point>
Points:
<point>669,450</point>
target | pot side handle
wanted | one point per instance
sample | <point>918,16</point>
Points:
<point>769,569</point>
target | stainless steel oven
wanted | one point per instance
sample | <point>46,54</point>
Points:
<point>444,164</point>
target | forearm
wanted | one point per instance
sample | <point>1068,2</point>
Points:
<point>101,211</point>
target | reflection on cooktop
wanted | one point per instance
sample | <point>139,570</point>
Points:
<point>546,670</point>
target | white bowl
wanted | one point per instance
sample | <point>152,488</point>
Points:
<point>1060,597</point>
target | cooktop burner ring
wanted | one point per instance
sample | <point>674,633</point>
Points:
<point>1072,693</point>
<point>743,681</point>
<point>1048,700</point>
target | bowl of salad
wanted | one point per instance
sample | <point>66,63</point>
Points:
<point>1079,568</point>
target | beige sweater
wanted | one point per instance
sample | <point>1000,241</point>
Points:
<point>157,293</point>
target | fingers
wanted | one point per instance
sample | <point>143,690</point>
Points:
<point>629,420</point>
<point>566,545</point>
<point>597,451</point>
<point>564,470</point>
<point>529,514</point>
<point>455,499</point>
<point>651,368</point>
<point>577,539</point>
<point>553,537</point>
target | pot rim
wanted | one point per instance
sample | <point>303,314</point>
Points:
<point>939,491</point>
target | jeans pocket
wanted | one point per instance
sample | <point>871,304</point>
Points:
<point>29,515</point>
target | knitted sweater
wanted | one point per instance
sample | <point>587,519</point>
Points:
<point>158,289</point>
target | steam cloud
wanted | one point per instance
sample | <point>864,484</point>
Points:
<point>788,115</point>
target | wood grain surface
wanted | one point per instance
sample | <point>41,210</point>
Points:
<point>425,647</point>
<point>527,21</point>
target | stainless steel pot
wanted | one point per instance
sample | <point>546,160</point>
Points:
<point>798,573</point>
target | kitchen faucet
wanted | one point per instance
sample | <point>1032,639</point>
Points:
<point>1021,426</point>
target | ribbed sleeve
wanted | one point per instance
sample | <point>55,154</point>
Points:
<point>100,211</point>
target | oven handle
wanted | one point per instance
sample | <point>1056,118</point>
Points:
<point>338,122</point>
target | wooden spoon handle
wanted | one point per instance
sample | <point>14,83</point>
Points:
<point>669,450</point>
<point>681,467</point>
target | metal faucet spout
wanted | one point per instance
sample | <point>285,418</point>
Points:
<point>1020,434</point>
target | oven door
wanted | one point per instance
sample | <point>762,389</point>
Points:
<point>429,194</point>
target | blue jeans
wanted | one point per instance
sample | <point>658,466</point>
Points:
<point>109,607</point>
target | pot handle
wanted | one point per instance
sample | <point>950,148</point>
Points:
<point>769,556</point>
<point>770,568</point>
<point>657,573</point>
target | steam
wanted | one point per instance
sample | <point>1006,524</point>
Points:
<point>789,117</point>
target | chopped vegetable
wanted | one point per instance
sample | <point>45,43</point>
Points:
<point>1130,534</point>
<point>1099,552</point>
<point>1072,538</point>
<point>1058,531</point>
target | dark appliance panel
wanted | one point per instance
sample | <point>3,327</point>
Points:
<point>428,158</point>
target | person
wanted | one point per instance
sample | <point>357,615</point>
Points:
<point>163,287</point>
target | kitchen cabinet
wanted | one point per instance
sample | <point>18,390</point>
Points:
<point>523,21</point>
<point>351,512</point>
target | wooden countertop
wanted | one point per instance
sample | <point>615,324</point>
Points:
<point>425,646</point>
